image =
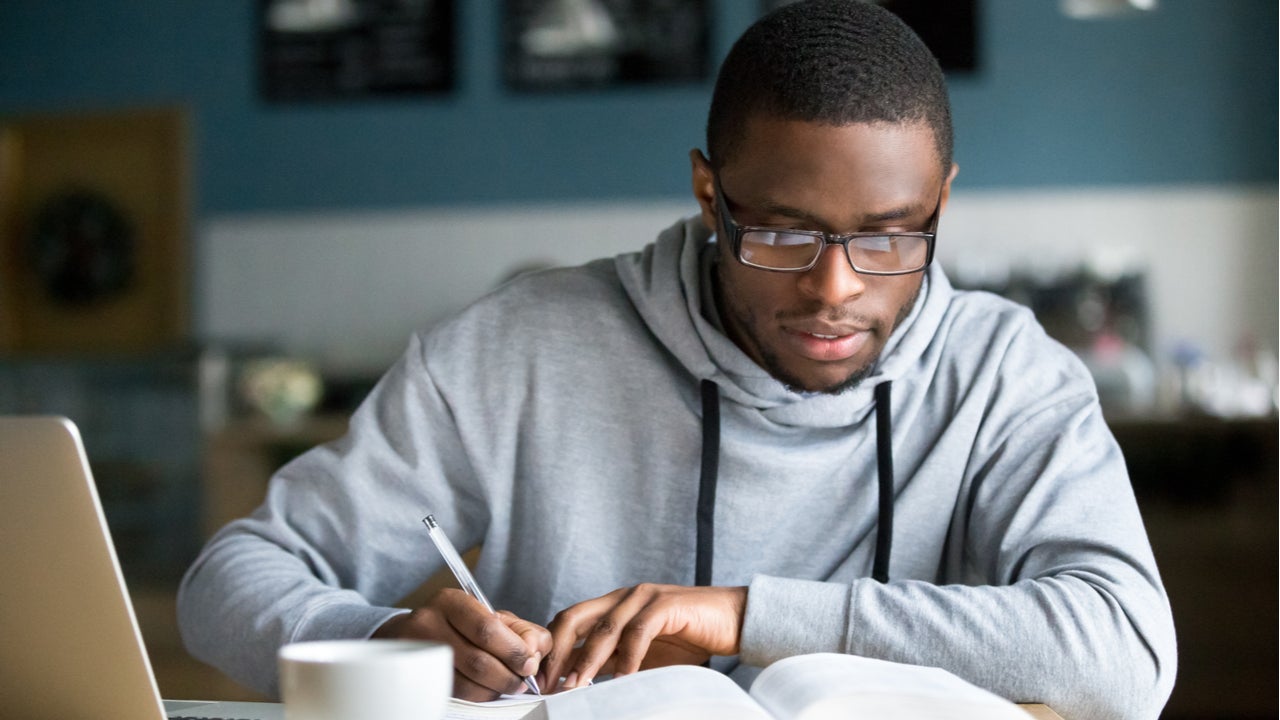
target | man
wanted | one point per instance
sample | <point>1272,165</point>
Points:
<point>792,436</point>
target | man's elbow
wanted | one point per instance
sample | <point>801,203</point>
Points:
<point>1128,686</point>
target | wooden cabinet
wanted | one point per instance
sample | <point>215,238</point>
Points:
<point>1207,489</point>
<point>241,456</point>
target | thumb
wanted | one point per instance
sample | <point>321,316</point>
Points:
<point>536,638</point>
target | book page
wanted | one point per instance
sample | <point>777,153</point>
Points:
<point>826,686</point>
<point>680,692</point>
<point>671,693</point>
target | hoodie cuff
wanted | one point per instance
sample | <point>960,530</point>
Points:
<point>786,617</point>
<point>343,621</point>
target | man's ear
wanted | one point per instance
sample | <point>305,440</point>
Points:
<point>946,188</point>
<point>704,187</point>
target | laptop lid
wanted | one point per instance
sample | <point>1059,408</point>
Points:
<point>72,648</point>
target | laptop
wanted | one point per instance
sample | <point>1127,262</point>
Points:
<point>71,649</point>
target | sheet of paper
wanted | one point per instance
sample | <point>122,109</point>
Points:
<point>507,707</point>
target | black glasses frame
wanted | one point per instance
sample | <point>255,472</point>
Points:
<point>843,240</point>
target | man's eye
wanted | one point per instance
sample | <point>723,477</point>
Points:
<point>784,239</point>
<point>876,243</point>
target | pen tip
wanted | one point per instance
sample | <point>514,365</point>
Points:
<point>429,521</point>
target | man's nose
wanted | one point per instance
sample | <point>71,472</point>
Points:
<point>832,280</point>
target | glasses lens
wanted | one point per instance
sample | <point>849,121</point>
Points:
<point>889,253</point>
<point>780,250</point>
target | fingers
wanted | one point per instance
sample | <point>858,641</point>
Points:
<point>568,626</point>
<point>487,650</point>
<point>535,637</point>
<point>623,634</point>
<point>464,688</point>
<point>615,631</point>
<point>491,653</point>
<point>644,626</point>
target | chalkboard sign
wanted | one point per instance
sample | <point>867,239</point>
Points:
<point>563,44</point>
<point>334,49</point>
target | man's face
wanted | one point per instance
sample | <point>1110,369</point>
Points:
<point>821,330</point>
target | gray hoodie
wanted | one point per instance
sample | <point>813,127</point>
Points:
<point>558,422</point>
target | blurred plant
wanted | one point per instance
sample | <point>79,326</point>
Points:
<point>283,389</point>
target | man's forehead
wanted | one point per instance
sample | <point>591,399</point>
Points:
<point>895,162</point>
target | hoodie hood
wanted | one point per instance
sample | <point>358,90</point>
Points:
<point>669,284</point>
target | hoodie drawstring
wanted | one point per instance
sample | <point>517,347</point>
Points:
<point>711,470</point>
<point>884,464</point>
<point>707,481</point>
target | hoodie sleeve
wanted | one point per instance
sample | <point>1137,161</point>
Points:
<point>334,543</point>
<point>1060,602</point>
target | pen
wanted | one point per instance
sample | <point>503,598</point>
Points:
<point>464,576</point>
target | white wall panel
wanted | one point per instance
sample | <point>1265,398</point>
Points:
<point>347,289</point>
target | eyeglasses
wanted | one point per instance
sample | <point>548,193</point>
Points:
<point>870,253</point>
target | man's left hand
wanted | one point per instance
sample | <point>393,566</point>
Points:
<point>647,625</point>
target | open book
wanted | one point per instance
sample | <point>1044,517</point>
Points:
<point>822,686</point>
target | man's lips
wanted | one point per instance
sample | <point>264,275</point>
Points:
<point>826,344</point>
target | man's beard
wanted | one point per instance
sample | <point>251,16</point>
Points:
<point>793,384</point>
<point>776,369</point>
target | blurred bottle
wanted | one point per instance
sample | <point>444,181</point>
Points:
<point>1125,376</point>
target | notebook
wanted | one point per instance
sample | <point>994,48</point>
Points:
<point>72,649</point>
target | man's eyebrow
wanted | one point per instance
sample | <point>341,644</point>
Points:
<point>787,211</point>
<point>899,213</point>
<point>903,212</point>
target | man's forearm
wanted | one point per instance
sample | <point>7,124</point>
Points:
<point>1063,640</point>
<point>245,597</point>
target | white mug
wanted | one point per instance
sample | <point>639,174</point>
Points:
<point>364,679</point>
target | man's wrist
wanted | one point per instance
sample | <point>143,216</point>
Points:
<point>392,627</point>
<point>739,600</point>
<point>786,617</point>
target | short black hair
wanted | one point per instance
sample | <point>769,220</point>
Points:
<point>834,62</point>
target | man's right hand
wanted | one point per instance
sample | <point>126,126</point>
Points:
<point>491,653</point>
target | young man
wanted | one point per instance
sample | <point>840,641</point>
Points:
<point>776,430</point>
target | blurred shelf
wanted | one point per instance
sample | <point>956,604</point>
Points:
<point>241,456</point>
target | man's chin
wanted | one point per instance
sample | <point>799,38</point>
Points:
<point>831,384</point>
<point>849,383</point>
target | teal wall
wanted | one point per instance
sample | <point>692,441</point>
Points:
<point>1185,95</point>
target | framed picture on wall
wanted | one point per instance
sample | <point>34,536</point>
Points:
<point>589,44</point>
<point>948,27</point>
<point>93,233</point>
<point>336,49</point>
